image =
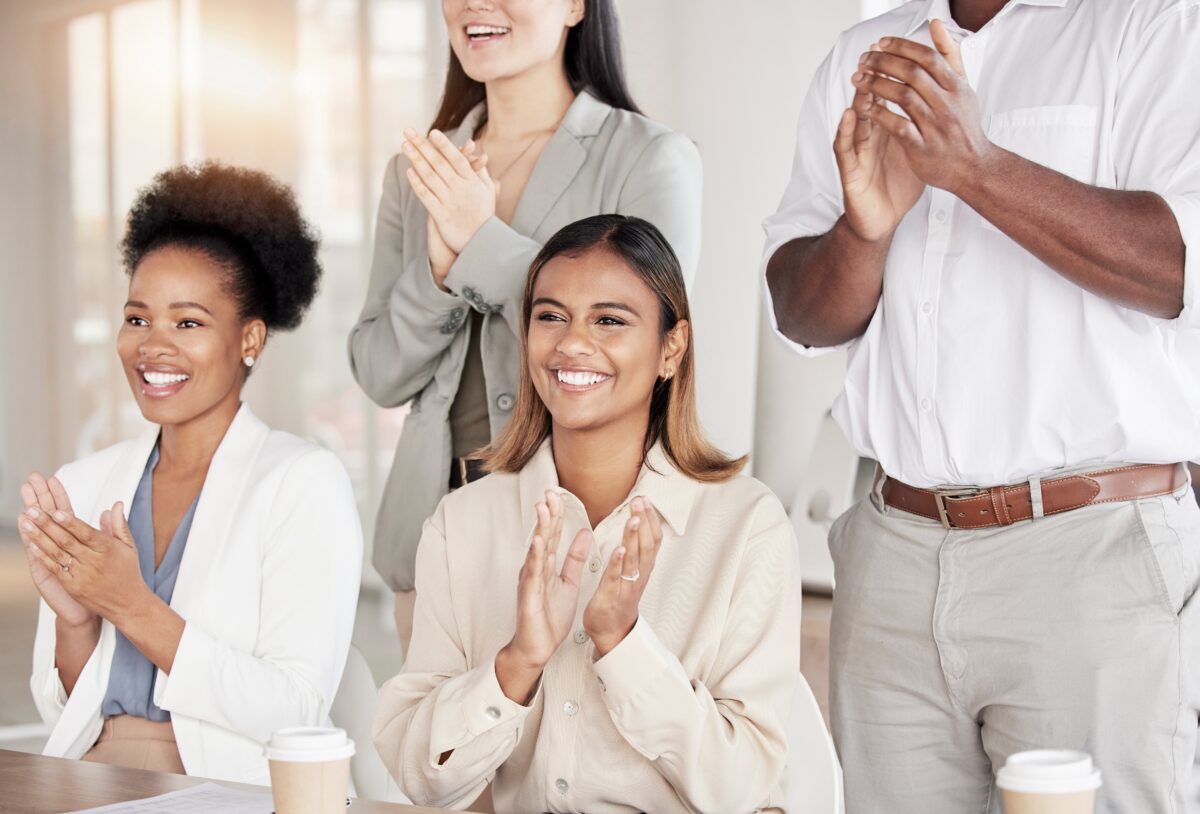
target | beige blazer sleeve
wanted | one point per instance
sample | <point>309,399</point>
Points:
<point>440,703</point>
<point>663,187</point>
<point>719,740</point>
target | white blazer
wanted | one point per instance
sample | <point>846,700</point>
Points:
<point>267,587</point>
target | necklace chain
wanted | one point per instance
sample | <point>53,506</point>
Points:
<point>532,141</point>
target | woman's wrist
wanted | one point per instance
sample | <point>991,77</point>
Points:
<point>517,675</point>
<point>79,631</point>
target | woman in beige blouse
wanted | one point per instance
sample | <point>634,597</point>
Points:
<point>610,621</point>
<point>536,129</point>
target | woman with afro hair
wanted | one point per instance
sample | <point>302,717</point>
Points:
<point>198,583</point>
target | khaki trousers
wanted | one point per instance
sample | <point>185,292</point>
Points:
<point>951,650</point>
<point>137,743</point>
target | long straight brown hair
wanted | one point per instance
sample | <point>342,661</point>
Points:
<point>673,419</point>
<point>592,58</point>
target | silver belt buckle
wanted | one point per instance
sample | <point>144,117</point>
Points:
<point>940,495</point>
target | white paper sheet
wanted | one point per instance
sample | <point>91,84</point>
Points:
<point>207,798</point>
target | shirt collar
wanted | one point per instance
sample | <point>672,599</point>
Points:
<point>931,10</point>
<point>670,491</point>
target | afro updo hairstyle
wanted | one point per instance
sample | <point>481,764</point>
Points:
<point>243,220</point>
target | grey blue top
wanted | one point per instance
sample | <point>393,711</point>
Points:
<point>131,682</point>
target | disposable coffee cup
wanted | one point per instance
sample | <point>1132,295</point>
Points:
<point>1048,781</point>
<point>310,769</point>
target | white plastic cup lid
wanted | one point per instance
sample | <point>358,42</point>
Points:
<point>309,744</point>
<point>1049,771</point>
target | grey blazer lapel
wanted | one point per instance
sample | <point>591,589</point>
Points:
<point>559,162</point>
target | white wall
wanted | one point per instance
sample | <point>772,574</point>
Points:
<point>732,76</point>
<point>26,289</point>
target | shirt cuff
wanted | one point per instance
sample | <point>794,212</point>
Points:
<point>196,651</point>
<point>483,707</point>
<point>636,664</point>
<point>479,274</point>
<point>1186,209</point>
<point>53,690</point>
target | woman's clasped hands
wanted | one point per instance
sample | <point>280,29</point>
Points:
<point>547,598</point>
<point>81,572</point>
<point>458,193</point>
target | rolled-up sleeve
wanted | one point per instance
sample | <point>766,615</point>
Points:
<point>720,742</point>
<point>440,703</point>
<point>812,201</point>
<point>1156,128</point>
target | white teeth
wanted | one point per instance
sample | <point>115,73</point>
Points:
<point>580,378</point>
<point>484,30</point>
<point>152,377</point>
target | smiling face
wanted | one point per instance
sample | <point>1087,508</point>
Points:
<point>595,342</point>
<point>506,38</point>
<point>183,339</point>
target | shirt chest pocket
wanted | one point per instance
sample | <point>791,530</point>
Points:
<point>1060,137</point>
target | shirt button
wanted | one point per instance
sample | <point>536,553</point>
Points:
<point>570,708</point>
<point>927,307</point>
<point>580,636</point>
<point>940,216</point>
<point>492,713</point>
<point>504,401</point>
<point>562,786</point>
<point>594,565</point>
<point>926,404</point>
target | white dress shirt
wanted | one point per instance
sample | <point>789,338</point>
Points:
<point>688,713</point>
<point>982,365</point>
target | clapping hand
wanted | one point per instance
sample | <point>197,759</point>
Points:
<point>878,185</point>
<point>942,137</point>
<point>95,571</point>
<point>546,599</point>
<point>49,496</point>
<point>456,190</point>
<point>613,610</point>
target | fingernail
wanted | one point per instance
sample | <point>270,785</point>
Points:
<point>33,512</point>
<point>886,42</point>
<point>60,516</point>
<point>409,132</point>
<point>856,76</point>
<point>637,504</point>
<point>635,522</point>
<point>25,524</point>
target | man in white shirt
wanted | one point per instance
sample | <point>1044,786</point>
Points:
<point>1006,237</point>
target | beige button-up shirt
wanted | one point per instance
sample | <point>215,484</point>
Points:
<point>688,713</point>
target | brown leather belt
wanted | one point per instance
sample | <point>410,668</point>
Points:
<point>1005,505</point>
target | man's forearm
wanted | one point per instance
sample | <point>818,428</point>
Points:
<point>1120,245</point>
<point>825,289</point>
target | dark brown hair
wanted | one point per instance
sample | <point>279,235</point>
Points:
<point>673,419</point>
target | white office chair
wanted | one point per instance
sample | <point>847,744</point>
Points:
<point>352,710</point>
<point>814,775</point>
<point>831,480</point>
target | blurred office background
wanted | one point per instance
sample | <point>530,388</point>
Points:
<point>96,96</point>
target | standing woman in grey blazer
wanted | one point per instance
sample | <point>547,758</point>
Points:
<point>536,130</point>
